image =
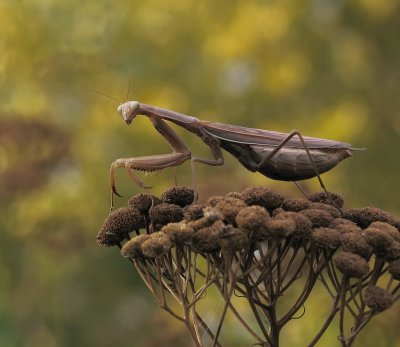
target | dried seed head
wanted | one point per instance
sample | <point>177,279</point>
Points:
<point>345,226</point>
<point>367,215</point>
<point>280,228</point>
<point>277,211</point>
<point>181,196</point>
<point>326,238</point>
<point>378,239</point>
<point>262,196</point>
<point>303,228</point>
<point>234,195</point>
<point>163,214</point>
<point>351,265</point>
<point>118,225</point>
<point>229,208</point>
<point>392,253</point>
<point>322,197</point>
<point>356,243</point>
<point>133,247</point>
<point>394,269</point>
<point>178,232</point>
<point>318,218</point>
<point>210,216</point>
<point>143,202</point>
<point>388,229</point>
<point>193,212</point>
<point>295,204</point>
<point>232,239</point>
<point>252,220</point>
<point>205,240</point>
<point>326,207</point>
<point>378,299</point>
<point>156,245</point>
<point>214,200</point>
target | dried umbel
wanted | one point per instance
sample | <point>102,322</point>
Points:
<point>257,246</point>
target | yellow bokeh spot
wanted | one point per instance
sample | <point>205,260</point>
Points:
<point>287,75</point>
<point>379,9</point>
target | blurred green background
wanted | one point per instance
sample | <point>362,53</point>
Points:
<point>330,68</point>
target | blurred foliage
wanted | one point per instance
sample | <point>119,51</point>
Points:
<point>329,68</point>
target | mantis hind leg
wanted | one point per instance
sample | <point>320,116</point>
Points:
<point>282,144</point>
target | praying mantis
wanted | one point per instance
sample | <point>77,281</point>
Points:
<point>279,156</point>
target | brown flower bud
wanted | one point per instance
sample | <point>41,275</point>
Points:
<point>318,218</point>
<point>118,225</point>
<point>392,253</point>
<point>326,238</point>
<point>322,197</point>
<point>163,214</point>
<point>181,196</point>
<point>367,215</point>
<point>378,239</point>
<point>356,243</point>
<point>143,202</point>
<point>178,232</point>
<point>345,226</point>
<point>214,200</point>
<point>157,244</point>
<point>229,208</point>
<point>252,220</point>
<point>235,195</point>
<point>378,299</point>
<point>303,228</point>
<point>193,212</point>
<point>205,240</point>
<point>295,205</point>
<point>325,207</point>
<point>232,239</point>
<point>388,229</point>
<point>280,228</point>
<point>211,215</point>
<point>133,247</point>
<point>262,196</point>
<point>351,265</point>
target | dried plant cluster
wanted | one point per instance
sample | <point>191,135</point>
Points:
<point>265,250</point>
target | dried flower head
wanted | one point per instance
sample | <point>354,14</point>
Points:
<point>356,243</point>
<point>229,208</point>
<point>262,196</point>
<point>193,212</point>
<point>163,214</point>
<point>367,215</point>
<point>157,244</point>
<point>378,239</point>
<point>388,229</point>
<point>326,238</point>
<point>178,232</point>
<point>118,225</point>
<point>326,207</point>
<point>133,247</point>
<point>303,228</point>
<point>318,218</point>
<point>394,269</point>
<point>235,195</point>
<point>351,265</point>
<point>378,299</point>
<point>214,200</point>
<point>392,253</point>
<point>210,216</point>
<point>280,228</point>
<point>232,239</point>
<point>181,196</point>
<point>345,226</point>
<point>205,240</point>
<point>295,204</point>
<point>252,220</point>
<point>143,202</point>
<point>324,198</point>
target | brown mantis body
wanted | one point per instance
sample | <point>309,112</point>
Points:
<point>276,155</point>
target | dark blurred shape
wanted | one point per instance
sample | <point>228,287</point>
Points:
<point>29,149</point>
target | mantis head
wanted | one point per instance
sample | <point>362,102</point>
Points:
<point>127,111</point>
